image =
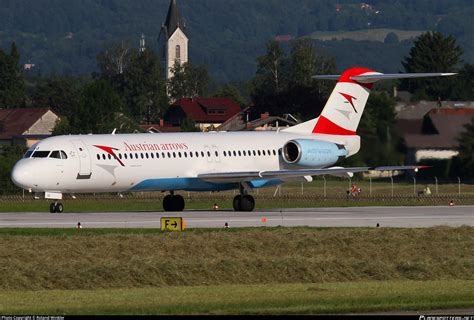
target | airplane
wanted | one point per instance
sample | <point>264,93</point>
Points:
<point>212,161</point>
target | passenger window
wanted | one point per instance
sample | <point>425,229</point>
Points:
<point>235,153</point>
<point>208,154</point>
<point>244,152</point>
<point>125,155</point>
<point>239,153</point>
<point>110,157</point>
<point>202,154</point>
<point>157,155</point>
<point>174,154</point>
<point>274,152</point>
<point>152,155</point>
<point>146,154</point>
<point>254,153</point>
<point>197,154</point>
<point>136,155</point>
<point>98,157</point>
<point>258,151</point>
<point>120,155</point>
<point>179,154</point>
<point>40,154</point>
<point>191,154</point>
<point>217,154</point>
<point>169,155</point>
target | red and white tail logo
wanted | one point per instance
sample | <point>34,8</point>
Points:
<point>343,110</point>
<point>345,106</point>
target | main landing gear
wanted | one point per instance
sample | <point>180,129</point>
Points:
<point>173,202</point>
<point>244,201</point>
<point>56,207</point>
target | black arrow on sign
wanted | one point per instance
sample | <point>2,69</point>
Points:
<point>175,224</point>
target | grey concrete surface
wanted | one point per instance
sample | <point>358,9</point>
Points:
<point>406,217</point>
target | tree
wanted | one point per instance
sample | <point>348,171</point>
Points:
<point>466,150</point>
<point>61,94</point>
<point>188,81</point>
<point>464,87</point>
<point>231,92</point>
<point>12,83</point>
<point>432,52</point>
<point>136,77</point>
<point>270,68</point>
<point>100,110</point>
<point>9,155</point>
<point>298,92</point>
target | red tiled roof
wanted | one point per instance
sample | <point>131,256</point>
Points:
<point>448,122</point>
<point>198,108</point>
<point>17,121</point>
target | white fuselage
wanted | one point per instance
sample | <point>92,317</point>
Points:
<point>150,162</point>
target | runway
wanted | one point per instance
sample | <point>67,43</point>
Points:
<point>400,217</point>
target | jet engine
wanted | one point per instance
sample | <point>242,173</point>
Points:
<point>312,153</point>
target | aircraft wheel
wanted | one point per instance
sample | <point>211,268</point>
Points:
<point>59,208</point>
<point>178,203</point>
<point>168,203</point>
<point>52,207</point>
<point>237,203</point>
<point>247,203</point>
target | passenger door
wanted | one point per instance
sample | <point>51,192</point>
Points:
<point>85,170</point>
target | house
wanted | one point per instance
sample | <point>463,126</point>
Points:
<point>26,126</point>
<point>433,135</point>
<point>207,113</point>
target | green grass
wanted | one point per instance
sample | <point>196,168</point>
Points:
<point>297,298</point>
<point>107,259</point>
<point>235,271</point>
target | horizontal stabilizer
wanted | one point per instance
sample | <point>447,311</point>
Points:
<point>372,77</point>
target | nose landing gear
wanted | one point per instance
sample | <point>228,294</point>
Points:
<point>56,207</point>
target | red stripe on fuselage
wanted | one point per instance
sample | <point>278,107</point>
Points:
<point>326,126</point>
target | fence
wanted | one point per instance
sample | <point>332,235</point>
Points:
<point>321,188</point>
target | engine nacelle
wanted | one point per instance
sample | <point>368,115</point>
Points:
<point>312,153</point>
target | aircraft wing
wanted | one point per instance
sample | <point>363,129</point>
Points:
<point>243,176</point>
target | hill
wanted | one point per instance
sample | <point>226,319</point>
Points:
<point>65,36</point>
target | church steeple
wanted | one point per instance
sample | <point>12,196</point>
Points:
<point>174,20</point>
<point>173,40</point>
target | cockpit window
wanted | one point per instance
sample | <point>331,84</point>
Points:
<point>58,154</point>
<point>27,154</point>
<point>55,154</point>
<point>40,154</point>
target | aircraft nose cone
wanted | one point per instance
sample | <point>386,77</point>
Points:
<point>22,175</point>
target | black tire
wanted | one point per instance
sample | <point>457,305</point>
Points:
<point>52,208</point>
<point>59,208</point>
<point>247,203</point>
<point>178,203</point>
<point>237,203</point>
<point>167,203</point>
